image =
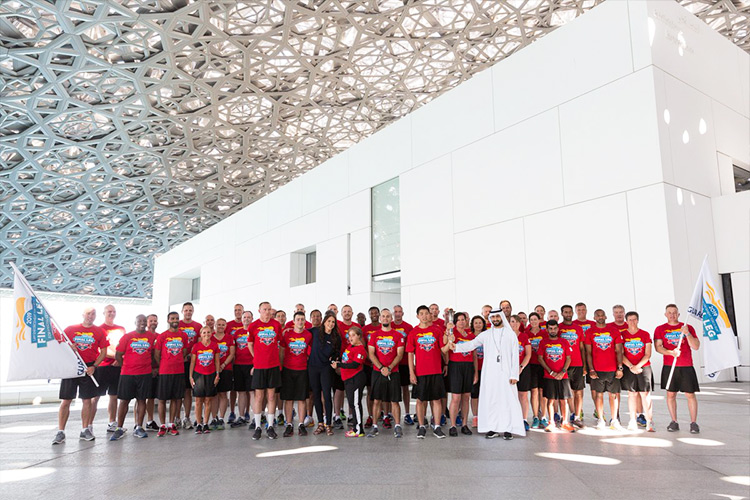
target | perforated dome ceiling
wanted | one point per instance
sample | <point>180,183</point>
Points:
<point>127,126</point>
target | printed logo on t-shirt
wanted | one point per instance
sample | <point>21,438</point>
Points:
<point>426,341</point>
<point>585,328</point>
<point>345,356</point>
<point>241,341</point>
<point>223,347</point>
<point>139,346</point>
<point>571,336</point>
<point>520,347</point>
<point>634,346</point>
<point>554,352</point>
<point>401,331</point>
<point>535,341</point>
<point>480,352</point>
<point>189,331</point>
<point>461,341</point>
<point>603,342</point>
<point>84,341</point>
<point>205,358</point>
<point>174,346</point>
<point>672,336</point>
<point>266,335</point>
<point>297,346</point>
<point>385,344</point>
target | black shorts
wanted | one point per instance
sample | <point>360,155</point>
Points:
<point>294,385</point>
<point>683,380</point>
<point>79,387</point>
<point>606,382</point>
<point>576,379</point>
<point>429,388</point>
<point>556,389</point>
<point>636,382</point>
<point>337,384</point>
<point>475,387</point>
<point>204,385</point>
<point>187,373</point>
<point>460,377</point>
<point>404,375</point>
<point>171,386</point>
<point>109,379</point>
<point>537,376</point>
<point>154,387</point>
<point>266,378</point>
<point>225,381</point>
<point>368,375</point>
<point>242,380</point>
<point>134,387</point>
<point>384,389</point>
<point>524,380</point>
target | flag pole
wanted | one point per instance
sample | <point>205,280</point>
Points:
<point>56,325</point>
<point>674,362</point>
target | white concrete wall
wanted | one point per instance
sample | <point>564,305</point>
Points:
<point>552,177</point>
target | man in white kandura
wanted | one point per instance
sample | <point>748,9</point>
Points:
<point>499,408</point>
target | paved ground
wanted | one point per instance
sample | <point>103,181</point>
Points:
<point>228,464</point>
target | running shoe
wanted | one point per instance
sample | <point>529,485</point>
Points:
<point>694,429</point>
<point>568,427</point>
<point>632,426</point>
<point>257,433</point>
<point>558,418</point>
<point>507,436</point>
<point>338,423</point>
<point>641,420</point>
<point>173,430</point>
<point>408,420</point>
<point>232,418</point>
<point>535,423</point>
<point>387,422</point>
<point>615,425</point>
<point>118,434</point>
<point>526,425</point>
<point>301,431</point>
<point>87,435</point>
<point>601,424</point>
<point>112,427</point>
<point>206,429</point>
<point>140,432</point>
<point>397,433</point>
<point>673,426</point>
<point>438,433</point>
<point>271,432</point>
<point>650,427</point>
<point>475,422</point>
<point>443,420</point>
<point>59,438</point>
<point>199,429</point>
<point>368,423</point>
<point>491,435</point>
<point>453,432</point>
<point>421,432</point>
<point>289,431</point>
<point>220,425</point>
<point>354,434</point>
<point>280,421</point>
<point>162,431</point>
<point>187,424</point>
<point>373,432</point>
<point>309,422</point>
<point>152,426</point>
<point>466,431</point>
<point>543,423</point>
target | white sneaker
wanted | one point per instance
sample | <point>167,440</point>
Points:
<point>112,427</point>
<point>632,426</point>
<point>601,424</point>
<point>615,425</point>
<point>186,423</point>
<point>308,421</point>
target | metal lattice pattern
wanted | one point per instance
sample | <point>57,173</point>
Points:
<point>127,126</point>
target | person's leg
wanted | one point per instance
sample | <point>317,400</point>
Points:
<point>325,382</point>
<point>564,411</point>
<point>338,401</point>
<point>187,402</point>
<point>113,410</point>
<point>86,412</point>
<point>692,402</point>
<point>199,410</point>
<point>174,407</point>
<point>140,412</point>
<point>577,403</point>
<point>633,398</point>
<point>523,397</point>
<point>672,405</point>
<point>550,410</point>
<point>208,409</point>
<point>421,412</point>
<point>396,412</point>
<point>315,385</point>
<point>122,411</point>
<point>455,403</point>
<point>535,400</point>
<point>645,404</point>
<point>232,400</point>
<point>163,412</point>
<point>223,403</point>
<point>599,403</point>
<point>376,407</point>
<point>465,399</point>
<point>437,410</point>
<point>288,411</point>
<point>258,405</point>
<point>215,405</point>
<point>545,406</point>
<point>406,396</point>
<point>614,405</point>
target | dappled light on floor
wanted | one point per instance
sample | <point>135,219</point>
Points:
<point>640,441</point>
<point>584,459</point>
<point>16,475</point>
<point>296,451</point>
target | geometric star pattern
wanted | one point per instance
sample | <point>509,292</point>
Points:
<point>128,126</point>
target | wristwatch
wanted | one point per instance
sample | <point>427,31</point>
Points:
<point>619,368</point>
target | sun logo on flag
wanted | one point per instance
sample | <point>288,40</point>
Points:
<point>36,319</point>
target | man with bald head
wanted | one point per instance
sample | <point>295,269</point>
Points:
<point>90,342</point>
<point>108,375</point>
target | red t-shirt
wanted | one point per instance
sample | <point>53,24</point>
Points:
<point>224,344</point>
<point>620,328</point>
<point>137,349</point>
<point>574,335</point>
<point>204,357</point>
<point>344,331</point>
<point>192,330</point>
<point>440,323</point>
<point>426,343</point>
<point>172,346</point>
<point>296,349</point>
<point>386,346</point>
<point>233,326</point>
<point>669,334</point>
<point>523,341</point>
<point>461,337</point>
<point>368,330</point>
<point>89,340</point>
<point>353,354</point>
<point>634,346</point>
<point>554,351</point>
<point>114,333</point>
<point>265,338</point>
<point>242,354</point>
<point>480,357</point>
<point>403,328</point>
<point>535,339</point>
<point>585,325</point>
<point>602,342</point>
<point>290,324</point>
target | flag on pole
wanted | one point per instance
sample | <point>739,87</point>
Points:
<point>719,342</point>
<point>39,350</point>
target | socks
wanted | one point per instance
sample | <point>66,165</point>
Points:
<point>257,421</point>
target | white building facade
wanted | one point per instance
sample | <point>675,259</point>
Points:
<point>594,165</point>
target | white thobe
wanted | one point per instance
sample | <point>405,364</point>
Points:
<point>499,408</point>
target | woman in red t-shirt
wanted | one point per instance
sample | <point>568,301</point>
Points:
<point>205,365</point>
<point>352,361</point>
<point>462,373</point>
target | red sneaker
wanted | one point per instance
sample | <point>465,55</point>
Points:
<point>368,423</point>
<point>162,431</point>
<point>173,431</point>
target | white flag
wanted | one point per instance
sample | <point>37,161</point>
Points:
<point>36,352</point>
<point>719,343</point>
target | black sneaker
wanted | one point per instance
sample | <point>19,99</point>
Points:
<point>438,432</point>
<point>694,429</point>
<point>492,435</point>
<point>302,430</point>
<point>453,432</point>
<point>422,432</point>
<point>673,426</point>
<point>466,431</point>
<point>271,432</point>
<point>152,426</point>
<point>251,427</point>
<point>507,436</point>
<point>289,431</point>
<point>257,433</point>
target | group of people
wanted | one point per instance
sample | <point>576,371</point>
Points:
<point>493,365</point>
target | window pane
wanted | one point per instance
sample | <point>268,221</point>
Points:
<point>741,179</point>
<point>386,232</point>
<point>310,267</point>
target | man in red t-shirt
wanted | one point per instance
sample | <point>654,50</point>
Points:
<point>386,348</point>
<point>152,323</point>
<point>507,309</point>
<point>367,330</point>
<point>294,380</point>
<point>577,369</point>
<point>435,318</point>
<point>232,327</point>
<point>264,335</point>
<point>554,356</point>
<point>404,328</point>
<point>637,376</point>
<point>192,330</point>
<point>425,348</point>
<point>135,354</point>
<point>170,352</point>
<point>675,340</point>
<point>243,365</point>
<point>290,323</point>
<point>90,342</point>
<point>604,359</point>
<point>585,324</point>
<point>619,324</point>
<point>108,375</point>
